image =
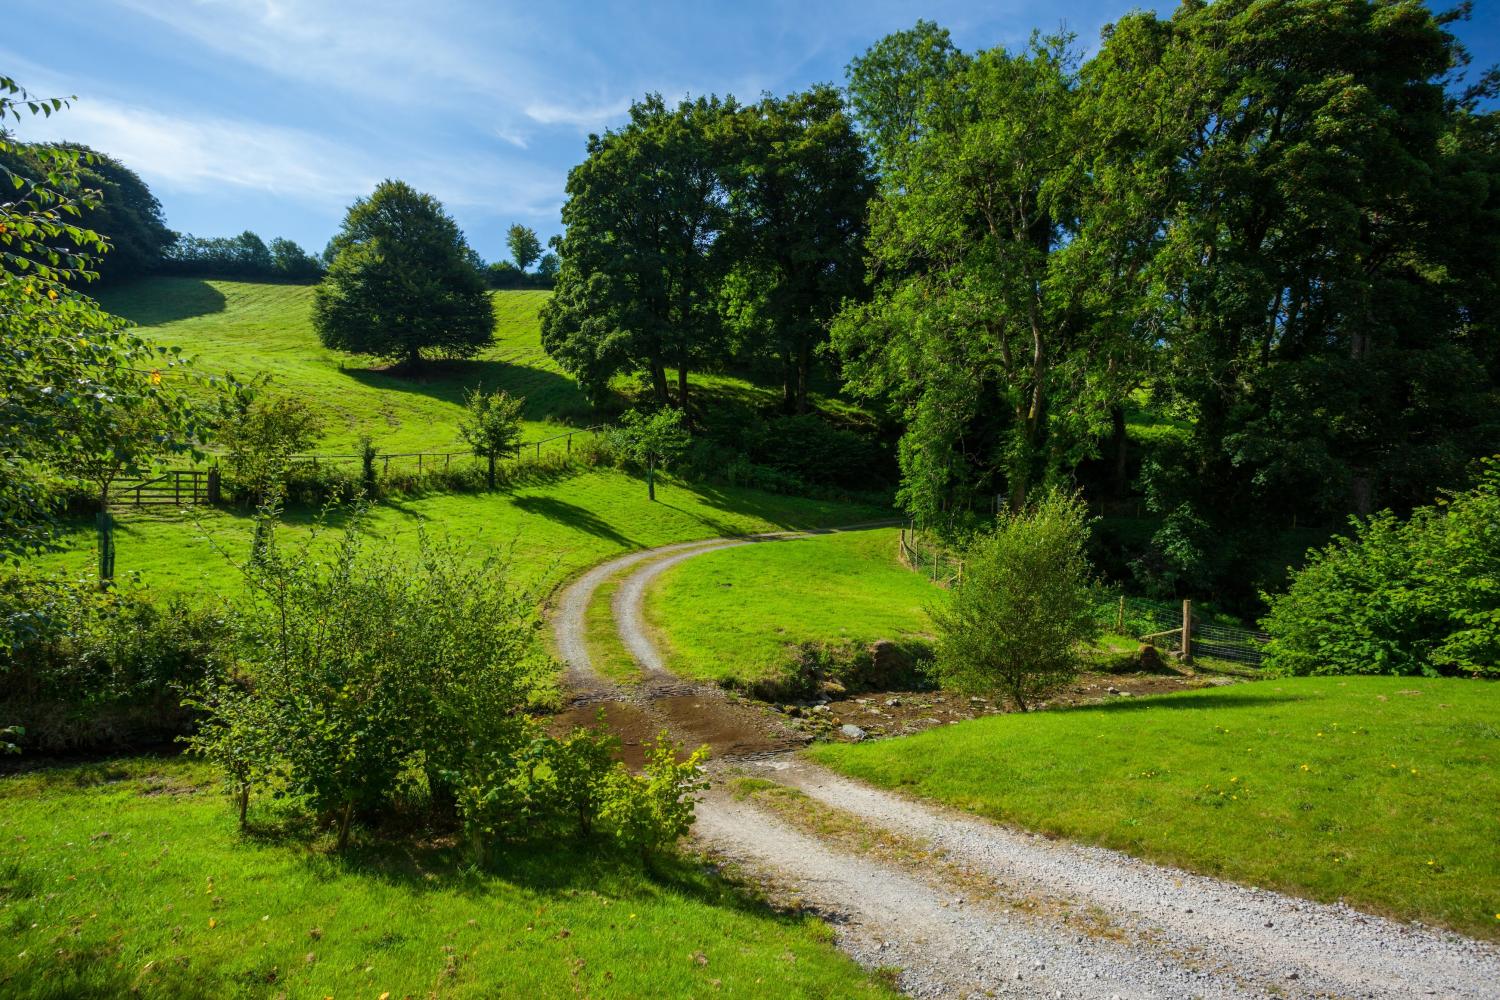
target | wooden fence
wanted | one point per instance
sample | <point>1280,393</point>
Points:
<point>1173,628</point>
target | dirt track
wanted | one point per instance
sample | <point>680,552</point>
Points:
<point>966,907</point>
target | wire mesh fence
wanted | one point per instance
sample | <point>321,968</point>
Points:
<point>1170,626</point>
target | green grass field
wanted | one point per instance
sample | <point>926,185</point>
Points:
<point>130,879</point>
<point>247,328</point>
<point>1383,792</point>
<point>554,526</point>
<point>734,612</point>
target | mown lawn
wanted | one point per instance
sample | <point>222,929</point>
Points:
<point>130,879</point>
<point>734,612</point>
<point>1384,792</point>
<point>249,328</point>
<point>554,525</point>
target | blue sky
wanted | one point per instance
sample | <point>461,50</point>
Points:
<point>273,115</point>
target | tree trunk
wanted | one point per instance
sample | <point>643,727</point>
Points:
<point>651,477</point>
<point>492,471</point>
<point>243,800</point>
<point>682,389</point>
<point>1119,444</point>
<point>804,369</point>
<point>345,819</point>
<point>788,382</point>
<point>659,382</point>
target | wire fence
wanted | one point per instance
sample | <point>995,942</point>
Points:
<point>1172,627</point>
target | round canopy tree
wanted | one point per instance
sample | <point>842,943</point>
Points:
<point>403,283</point>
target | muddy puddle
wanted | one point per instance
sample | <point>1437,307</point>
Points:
<point>732,731</point>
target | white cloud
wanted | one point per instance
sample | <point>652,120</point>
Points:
<point>580,116</point>
<point>197,152</point>
<point>516,139</point>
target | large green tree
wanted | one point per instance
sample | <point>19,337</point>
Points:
<point>403,283</point>
<point>800,186</point>
<point>643,259</point>
<point>1327,273</point>
<point>1000,322</point>
<point>126,214</point>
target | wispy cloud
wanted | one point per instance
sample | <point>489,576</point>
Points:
<point>193,152</point>
<point>586,116</point>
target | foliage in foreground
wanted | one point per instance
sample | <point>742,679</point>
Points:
<point>1023,606</point>
<point>1420,596</point>
<point>1378,791</point>
<point>85,669</point>
<point>175,905</point>
<point>372,683</point>
<point>80,395</point>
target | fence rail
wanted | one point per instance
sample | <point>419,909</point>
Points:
<point>176,487</point>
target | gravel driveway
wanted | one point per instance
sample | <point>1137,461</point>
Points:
<point>967,907</point>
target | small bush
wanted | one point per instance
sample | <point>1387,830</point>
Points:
<point>1024,606</point>
<point>83,669</point>
<point>1399,597</point>
<point>363,667</point>
<point>648,812</point>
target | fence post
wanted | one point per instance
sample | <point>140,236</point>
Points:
<point>1187,631</point>
<point>419,463</point>
<point>570,444</point>
<point>213,485</point>
<point>1120,617</point>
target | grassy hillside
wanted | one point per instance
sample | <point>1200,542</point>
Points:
<point>735,612</point>
<point>247,328</point>
<point>1381,791</point>
<point>554,525</point>
<point>129,879</point>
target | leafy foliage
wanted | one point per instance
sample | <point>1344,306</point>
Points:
<point>524,246</point>
<point>638,286</point>
<point>78,391</point>
<point>651,440</point>
<point>1023,606</point>
<point>85,669</point>
<point>260,432</point>
<point>648,812</point>
<point>491,424</point>
<point>366,666</point>
<point>1420,596</point>
<point>799,182</point>
<point>403,281</point>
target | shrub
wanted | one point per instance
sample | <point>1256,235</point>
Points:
<point>364,666</point>
<point>260,433</point>
<point>1024,604</point>
<point>85,669</point>
<point>648,812</point>
<point>1399,597</point>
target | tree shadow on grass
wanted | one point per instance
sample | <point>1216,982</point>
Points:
<point>1240,696</point>
<point>574,516</point>
<point>155,301</point>
<point>549,395</point>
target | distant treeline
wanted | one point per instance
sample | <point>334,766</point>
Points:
<point>242,256</point>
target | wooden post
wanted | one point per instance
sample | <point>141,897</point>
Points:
<point>213,485</point>
<point>1120,617</point>
<point>1187,631</point>
<point>419,463</point>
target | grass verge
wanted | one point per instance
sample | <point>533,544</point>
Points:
<point>1382,792</point>
<point>554,525</point>
<point>129,878</point>
<point>736,613</point>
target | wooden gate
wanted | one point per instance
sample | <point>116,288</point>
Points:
<point>176,487</point>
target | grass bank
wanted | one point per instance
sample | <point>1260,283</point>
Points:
<point>1382,792</point>
<point>129,879</point>
<point>736,612</point>
<point>249,328</point>
<point>553,526</point>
